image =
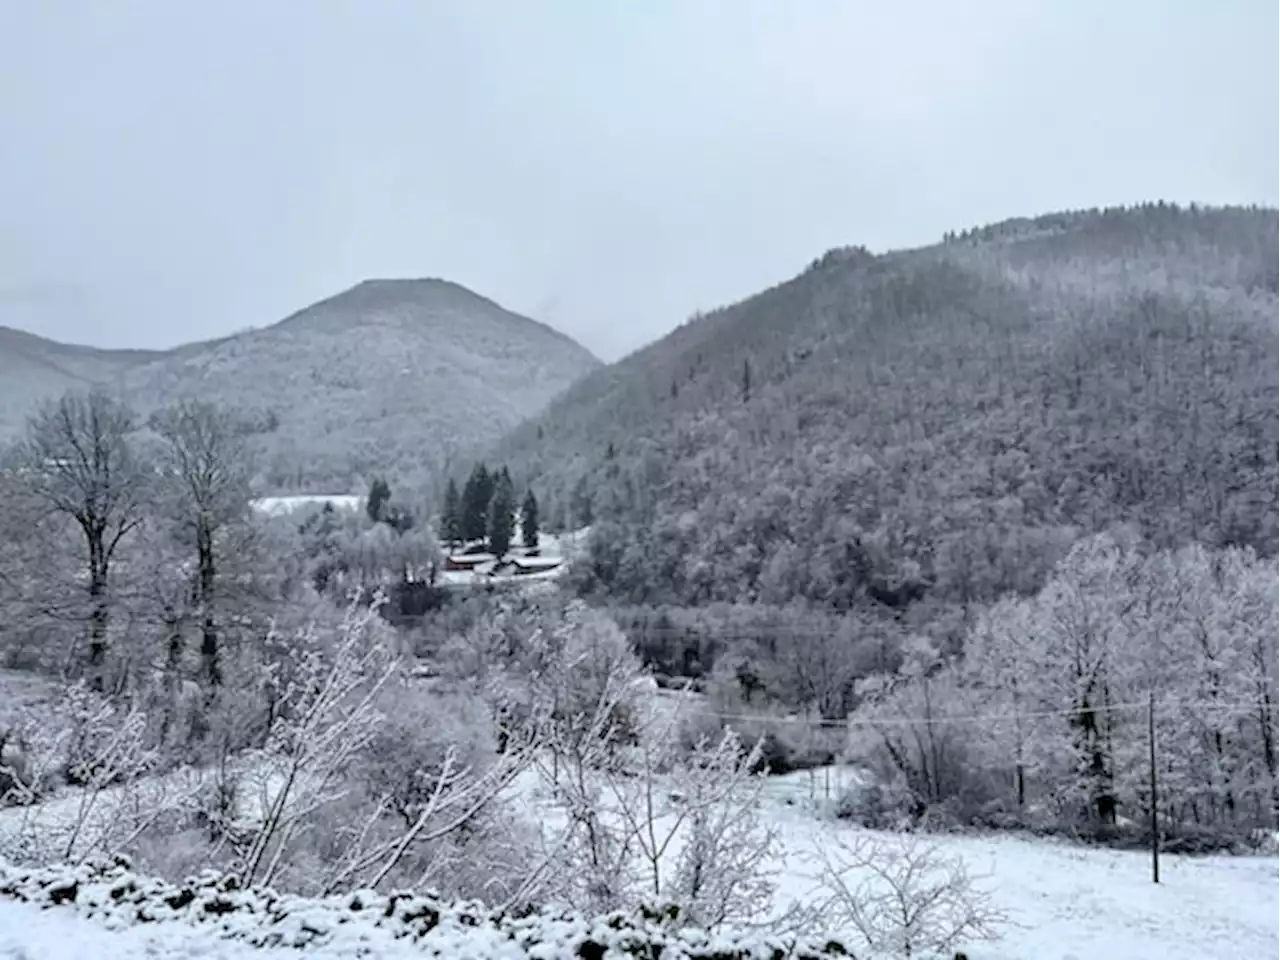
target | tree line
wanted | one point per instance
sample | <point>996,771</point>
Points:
<point>1128,665</point>
<point>130,549</point>
<point>485,512</point>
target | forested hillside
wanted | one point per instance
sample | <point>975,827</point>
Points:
<point>933,426</point>
<point>32,367</point>
<point>389,376</point>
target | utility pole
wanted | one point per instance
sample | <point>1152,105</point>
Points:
<point>1155,802</point>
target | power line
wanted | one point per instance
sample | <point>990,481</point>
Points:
<point>972,718</point>
<point>687,633</point>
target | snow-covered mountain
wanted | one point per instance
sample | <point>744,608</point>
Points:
<point>387,376</point>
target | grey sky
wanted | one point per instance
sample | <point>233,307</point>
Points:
<point>178,170</point>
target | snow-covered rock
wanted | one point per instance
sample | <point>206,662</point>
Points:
<point>364,923</point>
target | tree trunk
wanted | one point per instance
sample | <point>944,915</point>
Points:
<point>1102,802</point>
<point>210,668</point>
<point>99,614</point>
<point>1266,717</point>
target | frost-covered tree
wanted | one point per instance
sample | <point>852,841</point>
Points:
<point>205,468</point>
<point>902,897</point>
<point>1048,708</point>
<point>378,499</point>
<point>529,520</point>
<point>501,521</point>
<point>451,515</point>
<point>80,466</point>
<point>916,404</point>
<point>475,503</point>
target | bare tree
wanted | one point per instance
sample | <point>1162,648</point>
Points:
<point>17,527</point>
<point>102,748</point>
<point>206,460</point>
<point>903,897</point>
<point>80,465</point>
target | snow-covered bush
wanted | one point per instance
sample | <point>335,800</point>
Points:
<point>881,804</point>
<point>903,897</point>
<point>408,749</point>
<point>655,822</point>
<point>358,782</point>
<point>19,782</point>
<point>108,890</point>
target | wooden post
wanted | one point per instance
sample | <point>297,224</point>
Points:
<point>1155,800</point>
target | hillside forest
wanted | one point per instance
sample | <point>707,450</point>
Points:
<point>992,523</point>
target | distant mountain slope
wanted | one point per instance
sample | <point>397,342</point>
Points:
<point>31,367</point>
<point>933,424</point>
<point>390,375</point>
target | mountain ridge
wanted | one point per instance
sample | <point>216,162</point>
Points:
<point>384,376</point>
<point>948,418</point>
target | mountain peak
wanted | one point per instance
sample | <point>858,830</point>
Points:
<point>377,378</point>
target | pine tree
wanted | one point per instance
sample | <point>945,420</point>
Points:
<point>501,516</point>
<point>379,496</point>
<point>580,505</point>
<point>451,521</point>
<point>529,520</point>
<point>475,503</point>
<point>746,381</point>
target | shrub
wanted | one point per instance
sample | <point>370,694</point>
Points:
<point>879,805</point>
<point>19,784</point>
<point>407,751</point>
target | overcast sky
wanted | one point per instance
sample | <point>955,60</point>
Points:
<point>173,170</point>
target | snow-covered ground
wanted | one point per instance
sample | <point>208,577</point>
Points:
<point>28,932</point>
<point>1066,903</point>
<point>281,506</point>
<point>1072,903</point>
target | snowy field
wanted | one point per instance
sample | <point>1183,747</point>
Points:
<point>1071,903</point>
<point>1066,903</point>
<point>282,506</point>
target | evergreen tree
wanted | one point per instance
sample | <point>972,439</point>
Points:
<point>475,503</point>
<point>580,504</point>
<point>502,519</point>
<point>746,381</point>
<point>529,520</point>
<point>379,496</point>
<point>451,519</point>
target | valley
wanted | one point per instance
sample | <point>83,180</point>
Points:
<point>936,580</point>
